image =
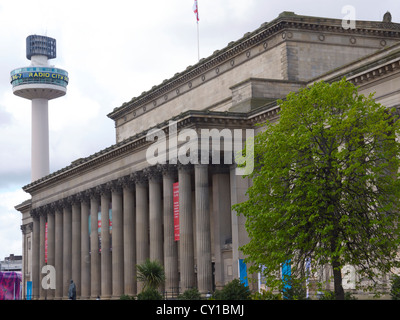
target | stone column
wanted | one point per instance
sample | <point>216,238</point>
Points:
<point>155,215</point>
<point>129,232</point>
<point>222,224</point>
<point>59,251</point>
<point>203,233</point>
<point>42,221</point>
<point>142,221</point>
<point>51,246</point>
<point>67,246</point>
<point>239,186</point>
<point>85,254</point>
<point>170,245</point>
<point>76,244</point>
<point>106,275</point>
<point>95,274</point>
<point>117,241</point>
<point>27,247</point>
<point>186,246</point>
<point>35,254</point>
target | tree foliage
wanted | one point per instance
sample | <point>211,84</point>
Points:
<point>326,186</point>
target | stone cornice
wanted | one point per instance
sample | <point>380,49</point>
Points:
<point>24,206</point>
<point>187,119</point>
<point>376,72</point>
<point>286,20</point>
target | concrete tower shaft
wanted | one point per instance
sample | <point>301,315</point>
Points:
<point>39,83</point>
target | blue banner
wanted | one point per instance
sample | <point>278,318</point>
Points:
<point>243,272</point>
<point>29,290</point>
<point>286,275</point>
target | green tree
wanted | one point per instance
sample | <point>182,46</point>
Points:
<point>151,273</point>
<point>325,187</point>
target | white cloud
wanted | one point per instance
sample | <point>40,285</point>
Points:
<point>10,221</point>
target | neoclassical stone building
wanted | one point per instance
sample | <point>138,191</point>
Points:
<point>96,219</point>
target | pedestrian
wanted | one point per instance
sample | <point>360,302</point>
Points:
<point>72,291</point>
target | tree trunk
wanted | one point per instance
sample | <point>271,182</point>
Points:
<point>337,280</point>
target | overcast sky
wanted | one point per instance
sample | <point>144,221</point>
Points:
<point>113,51</point>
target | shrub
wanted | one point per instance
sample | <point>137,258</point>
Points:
<point>266,295</point>
<point>330,295</point>
<point>295,291</point>
<point>395,290</point>
<point>234,290</point>
<point>190,294</point>
<point>149,294</point>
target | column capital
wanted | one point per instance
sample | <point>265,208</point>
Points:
<point>48,209</point>
<point>126,182</point>
<point>153,173</point>
<point>139,178</point>
<point>44,209</point>
<point>36,213</point>
<point>65,203</point>
<point>115,186</point>
<point>103,189</point>
<point>169,170</point>
<point>74,199</point>
<point>201,165</point>
<point>92,193</point>
<point>27,228</point>
<point>219,168</point>
<point>185,167</point>
<point>82,196</point>
<point>55,206</point>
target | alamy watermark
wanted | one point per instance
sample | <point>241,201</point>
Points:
<point>191,147</point>
<point>349,20</point>
<point>49,280</point>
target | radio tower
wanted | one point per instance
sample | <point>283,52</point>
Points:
<point>40,82</point>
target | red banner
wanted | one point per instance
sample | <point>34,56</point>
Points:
<point>45,243</point>
<point>176,210</point>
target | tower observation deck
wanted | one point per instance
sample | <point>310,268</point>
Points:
<point>39,82</point>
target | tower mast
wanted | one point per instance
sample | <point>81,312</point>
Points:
<point>39,83</point>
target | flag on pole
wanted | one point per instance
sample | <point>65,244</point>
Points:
<point>196,10</point>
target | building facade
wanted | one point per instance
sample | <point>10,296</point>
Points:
<point>104,214</point>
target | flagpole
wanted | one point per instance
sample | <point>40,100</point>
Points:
<point>196,12</point>
<point>198,41</point>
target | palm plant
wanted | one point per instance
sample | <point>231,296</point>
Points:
<point>151,273</point>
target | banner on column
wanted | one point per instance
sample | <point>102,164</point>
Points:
<point>176,210</point>
<point>109,225</point>
<point>99,226</point>
<point>243,272</point>
<point>286,278</point>
<point>45,243</point>
<point>29,290</point>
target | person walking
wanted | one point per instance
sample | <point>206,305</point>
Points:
<point>72,291</point>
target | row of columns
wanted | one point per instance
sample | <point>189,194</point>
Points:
<point>142,228</point>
